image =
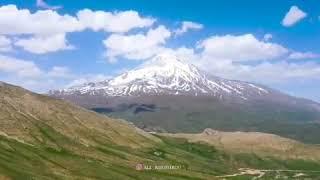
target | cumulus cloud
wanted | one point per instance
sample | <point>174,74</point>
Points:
<point>246,58</point>
<point>183,53</point>
<point>29,70</point>
<point>44,5</point>
<point>137,46</point>
<point>303,55</point>
<point>60,72</point>
<point>265,72</point>
<point>28,74</point>
<point>48,28</point>
<point>45,44</point>
<point>268,73</point>
<point>293,16</point>
<point>5,44</point>
<point>14,21</point>
<point>186,26</point>
<point>267,37</point>
<point>19,67</point>
<point>240,48</point>
<point>241,57</point>
<point>88,78</point>
<point>113,21</point>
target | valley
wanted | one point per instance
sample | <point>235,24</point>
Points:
<point>45,138</point>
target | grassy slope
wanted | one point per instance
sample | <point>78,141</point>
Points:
<point>198,161</point>
<point>261,144</point>
<point>44,138</point>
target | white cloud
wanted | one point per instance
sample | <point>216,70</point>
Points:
<point>293,16</point>
<point>228,56</point>
<point>44,5</point>
<point>19,67</point>
<point>263,72</point>
<point>89,78</point>
<point>186,26</point>
<point>16,22</point>
<point>48,29</point>
<point>183,53</point>
<point>267,37</point>
<point>60,72</point>
<point>303,55</point>
<point>242,57</point>
<point>113,22</point>
<point>5,44</point>
<point>240,48</point>
<point>36,85</point>
<point>45,44</point>
<point>29,75</point>
<point>137,46</point>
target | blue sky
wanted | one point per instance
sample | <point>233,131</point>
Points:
<point>272,42</point>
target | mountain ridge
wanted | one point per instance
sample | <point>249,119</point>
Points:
<point>166,94</point>
<point>167,74</point>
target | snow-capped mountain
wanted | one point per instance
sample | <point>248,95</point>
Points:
<point>167,94</point>
<point>167,75</point>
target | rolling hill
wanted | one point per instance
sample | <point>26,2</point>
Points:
<point>46,138</point>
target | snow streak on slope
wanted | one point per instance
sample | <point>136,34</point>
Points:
<point>167,75</point>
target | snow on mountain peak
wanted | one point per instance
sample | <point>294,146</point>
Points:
<point>164,60</point>
<point>167,62</point>
<point>160,67</point>
<point>167,74</point>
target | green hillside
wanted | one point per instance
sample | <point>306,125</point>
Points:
<point>45,138</point>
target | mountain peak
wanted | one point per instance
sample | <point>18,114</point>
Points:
<point>163,67</point>
<point>166,74</point>
<point>166,60</point>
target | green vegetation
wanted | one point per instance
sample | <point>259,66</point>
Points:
<point>196,161</point>
<point>44,138</point>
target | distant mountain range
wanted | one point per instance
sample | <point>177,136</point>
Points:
<point>47,138</point>
<point>166,94</point>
